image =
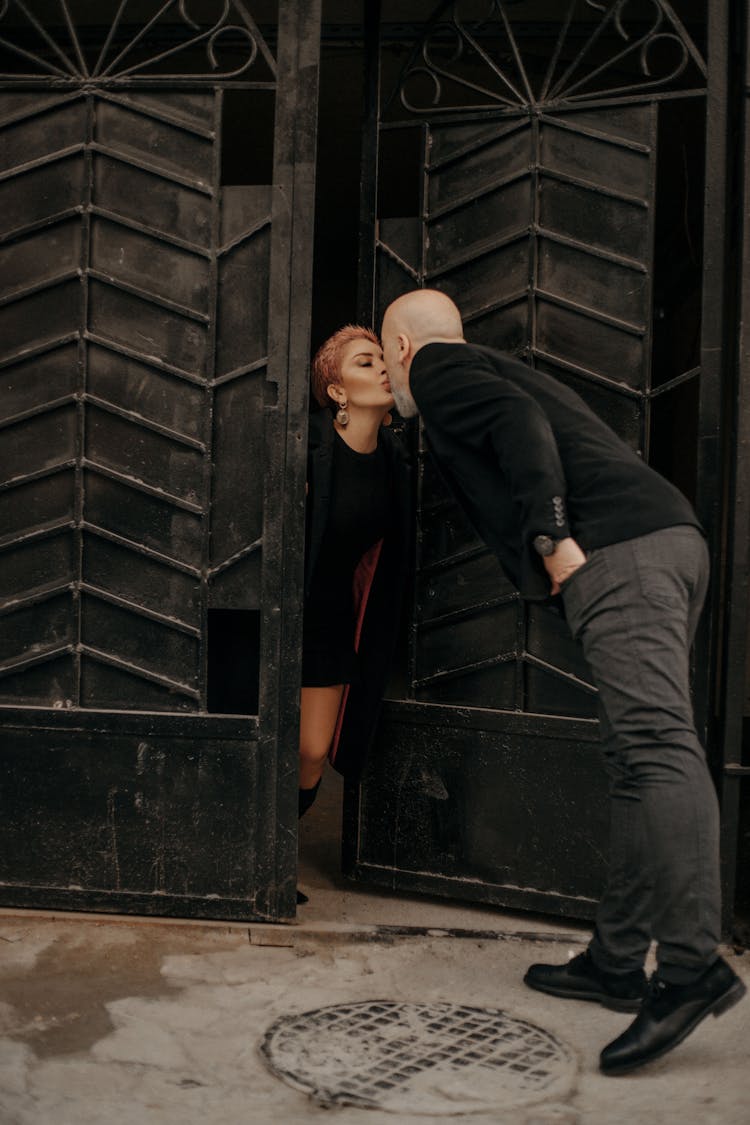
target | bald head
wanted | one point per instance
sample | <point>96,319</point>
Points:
<point>426,316</point>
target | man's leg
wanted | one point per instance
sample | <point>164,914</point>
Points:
<point>635,611</point>
<point>622,933</point>
<point>610,972</point>
<point>634,607</point>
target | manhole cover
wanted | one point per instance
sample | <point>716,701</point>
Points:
<point>418,1058</point>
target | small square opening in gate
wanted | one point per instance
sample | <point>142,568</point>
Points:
<point>247,122</point>
<point>233,661</point>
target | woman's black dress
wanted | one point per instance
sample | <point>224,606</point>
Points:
<point>358,516</point>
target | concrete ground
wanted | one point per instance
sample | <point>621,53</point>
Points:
<point>113,1021</point>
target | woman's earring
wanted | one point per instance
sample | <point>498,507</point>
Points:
<point>342,417</point>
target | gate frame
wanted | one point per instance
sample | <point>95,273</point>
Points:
<point>295,138</point>
<point>734,653</point>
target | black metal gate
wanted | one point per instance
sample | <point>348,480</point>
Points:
<point>544,165</point>
<point>156,238</point>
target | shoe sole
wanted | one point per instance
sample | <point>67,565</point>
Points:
<point>614,1003</point>
<point>721,1004</point>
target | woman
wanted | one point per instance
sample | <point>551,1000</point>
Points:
<point>356,556</point>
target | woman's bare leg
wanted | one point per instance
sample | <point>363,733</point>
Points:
<point>319,710</point>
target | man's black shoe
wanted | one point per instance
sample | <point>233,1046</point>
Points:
<point>580,979</point>
<point>669,1014</point>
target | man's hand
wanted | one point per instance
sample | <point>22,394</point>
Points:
<point>565,560</point>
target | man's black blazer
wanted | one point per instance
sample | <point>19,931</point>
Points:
<point>526,456</point>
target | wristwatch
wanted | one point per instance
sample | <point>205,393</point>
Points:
<point>544,545</point>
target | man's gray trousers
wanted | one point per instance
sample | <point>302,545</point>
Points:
<point>634,606</point>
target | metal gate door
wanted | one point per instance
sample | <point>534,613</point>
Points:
<point>542,164</point>
<point>153,221</point>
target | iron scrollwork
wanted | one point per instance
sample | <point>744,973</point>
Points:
<point>132,54</point>
<point>456,49</point>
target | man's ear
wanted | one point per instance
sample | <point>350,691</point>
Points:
<point>404,347</point>
<point>335,392</point>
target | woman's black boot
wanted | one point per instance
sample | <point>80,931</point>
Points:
<point>307,798</point>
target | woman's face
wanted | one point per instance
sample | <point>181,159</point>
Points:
<point>364,376</point>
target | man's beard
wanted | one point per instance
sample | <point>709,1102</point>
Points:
<point>404,400</point>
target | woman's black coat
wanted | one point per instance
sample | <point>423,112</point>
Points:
<point>361,702</point>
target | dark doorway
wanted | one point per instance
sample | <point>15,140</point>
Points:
<point>336,248</point>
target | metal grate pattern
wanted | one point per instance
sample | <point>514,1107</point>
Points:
<point>539,219</point>
<point>170,46</point>
<point>465,62</point>
<point>134,320</point>
<point>418,1058</point>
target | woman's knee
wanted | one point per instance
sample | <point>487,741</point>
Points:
<point>313,751</point>
<point>319,712</point>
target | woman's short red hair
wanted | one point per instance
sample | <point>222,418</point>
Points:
<point>326,367</point>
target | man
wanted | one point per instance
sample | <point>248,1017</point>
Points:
<point>569,508</point>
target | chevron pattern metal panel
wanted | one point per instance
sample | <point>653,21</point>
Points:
<point>134,340</point>
<point>538,216</point>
